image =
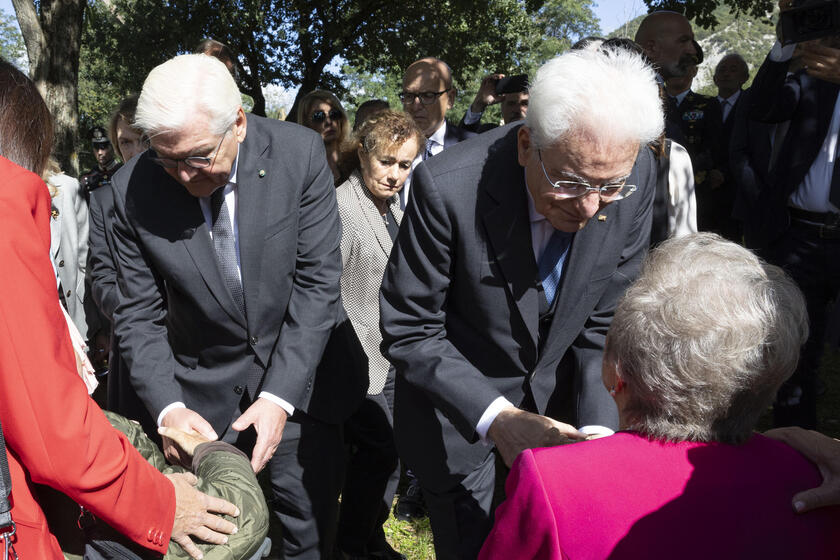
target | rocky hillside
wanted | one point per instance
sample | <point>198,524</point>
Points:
<point>750,37</point>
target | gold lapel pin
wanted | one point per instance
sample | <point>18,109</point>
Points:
<point>602,217</point>
<point>262,173</point>
<point>54,213</point>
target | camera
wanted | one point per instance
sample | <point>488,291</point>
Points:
<point>806,20</point>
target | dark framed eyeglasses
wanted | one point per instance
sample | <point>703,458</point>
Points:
<point>196,162</point>
<point>321,116</point>
<point>576,189</point>
<point>425,97</point>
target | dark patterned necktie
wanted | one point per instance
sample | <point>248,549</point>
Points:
<point>550,267</point>
<point>428,153</point>
<point>225,246</point>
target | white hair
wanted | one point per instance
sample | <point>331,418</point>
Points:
<point>175,91</point>
<point>704,339</point>
<point>610,95</point>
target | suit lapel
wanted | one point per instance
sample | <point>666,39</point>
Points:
<point>509,233</point>
<point>253,180</point>
<point>374,219</point>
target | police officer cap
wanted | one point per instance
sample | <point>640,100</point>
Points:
<point>98,136</point>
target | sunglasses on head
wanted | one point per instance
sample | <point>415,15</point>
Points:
<point>319,116</point>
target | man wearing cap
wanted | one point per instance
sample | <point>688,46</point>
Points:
<point>106,165</point>
<point>510,91</point>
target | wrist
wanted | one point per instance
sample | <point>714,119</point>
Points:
<point>478,106</point>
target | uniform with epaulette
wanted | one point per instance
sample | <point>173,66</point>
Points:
<point>106,165</point>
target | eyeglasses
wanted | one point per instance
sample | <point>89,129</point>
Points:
<point>577,189</point>
<point>320,116</point>
<point>425,97</point>
<point>196,162</point>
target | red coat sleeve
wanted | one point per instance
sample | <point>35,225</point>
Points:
<point>525,525</point>
<point>52,428</point>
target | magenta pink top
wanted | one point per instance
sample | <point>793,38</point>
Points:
<point>625,496</point>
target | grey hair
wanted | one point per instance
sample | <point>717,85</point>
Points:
<point>181,87</point>
<point>704,339</point>
<point>610,95</point>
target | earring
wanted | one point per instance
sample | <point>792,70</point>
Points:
<point>612,391</point>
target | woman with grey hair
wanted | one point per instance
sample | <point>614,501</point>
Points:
<point>695,353</point>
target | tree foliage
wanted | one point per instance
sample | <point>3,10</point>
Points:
<point>12,48</point>
<point>702,12</point>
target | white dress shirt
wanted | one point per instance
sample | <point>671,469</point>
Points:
<point>812,194</point>
<point>231,199</point>
<point>437,147</point>
<point>727,103</point>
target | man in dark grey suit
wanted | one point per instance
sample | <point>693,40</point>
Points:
<point>496,228</point>
<point>227,241</point>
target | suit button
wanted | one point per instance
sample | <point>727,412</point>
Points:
<point>238,389</point>
<point>67,294</point>
<point>61,263</point>
<point>254,340</point>
<point>150,536</point>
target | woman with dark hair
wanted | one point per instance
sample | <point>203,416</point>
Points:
<point>321,111</point>
<point>55,435</point>
<point>379,158</point>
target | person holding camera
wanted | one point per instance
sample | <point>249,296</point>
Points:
<point>105,166</point>
<point>510,91</point>
<point>798,210</point>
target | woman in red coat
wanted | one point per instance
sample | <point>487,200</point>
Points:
<point>55,434</point>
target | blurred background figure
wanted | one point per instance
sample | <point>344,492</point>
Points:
<point>697,349</point>
<point>380,156</point>
<point>127,140</point>
<point>321,111</point>
<point>105,166</point>
<point>217,49</point>
<point>510,91</point>
<point>367,109</point>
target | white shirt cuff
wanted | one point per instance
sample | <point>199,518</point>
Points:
<point>781,54</point>
<point>284,404</point>
<point>472,118</point>
<point>166,410</point>
<point>489,415</point>
<point>595,430</point>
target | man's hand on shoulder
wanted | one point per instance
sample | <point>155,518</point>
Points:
<point>194,515</point>
<point>188,421</point>
<point>824,452</point>
<point>514,430</point>
<point>269,420</point>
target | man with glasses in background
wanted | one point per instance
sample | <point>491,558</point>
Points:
<point>227,240</point>
<point>427,95</point>
<point>501,286</point>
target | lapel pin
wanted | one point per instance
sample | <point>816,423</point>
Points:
<point>54,213</point>
<point>602,217</point>
<point>262,173</point>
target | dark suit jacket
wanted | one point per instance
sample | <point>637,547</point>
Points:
<point>459,301</point>
<point>478,127</point>
<point>808,104</point>
<point>454,134</point>
<point>180,331</point>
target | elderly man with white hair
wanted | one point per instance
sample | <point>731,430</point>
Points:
<point>227,239</point>
<point>502,283</point>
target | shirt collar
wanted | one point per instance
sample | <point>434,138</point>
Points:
<point>233,170</point>
<point>438,136</point>
<point>533,215</point>
<point>731,99</point>
<point>681,96</point>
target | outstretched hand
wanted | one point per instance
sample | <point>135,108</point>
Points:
<point>186,441</point>
<point>514,430</point>
<point>194,515</point>
<point>822,451</point>
<point>188,421</point>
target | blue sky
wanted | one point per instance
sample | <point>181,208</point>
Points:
<point>612,13</point>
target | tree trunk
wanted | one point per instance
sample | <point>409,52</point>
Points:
<point>53,40</point>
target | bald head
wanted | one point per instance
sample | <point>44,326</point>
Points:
<point>428,76</point>
<point>731,74</point>
<point>668,42</point>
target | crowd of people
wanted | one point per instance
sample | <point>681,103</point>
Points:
<point>595,299</point>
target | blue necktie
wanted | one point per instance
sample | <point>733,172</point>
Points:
<point>428,153</point>
<point>550,267</point>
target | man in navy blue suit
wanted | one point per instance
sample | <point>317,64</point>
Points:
<point>799,209</point>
